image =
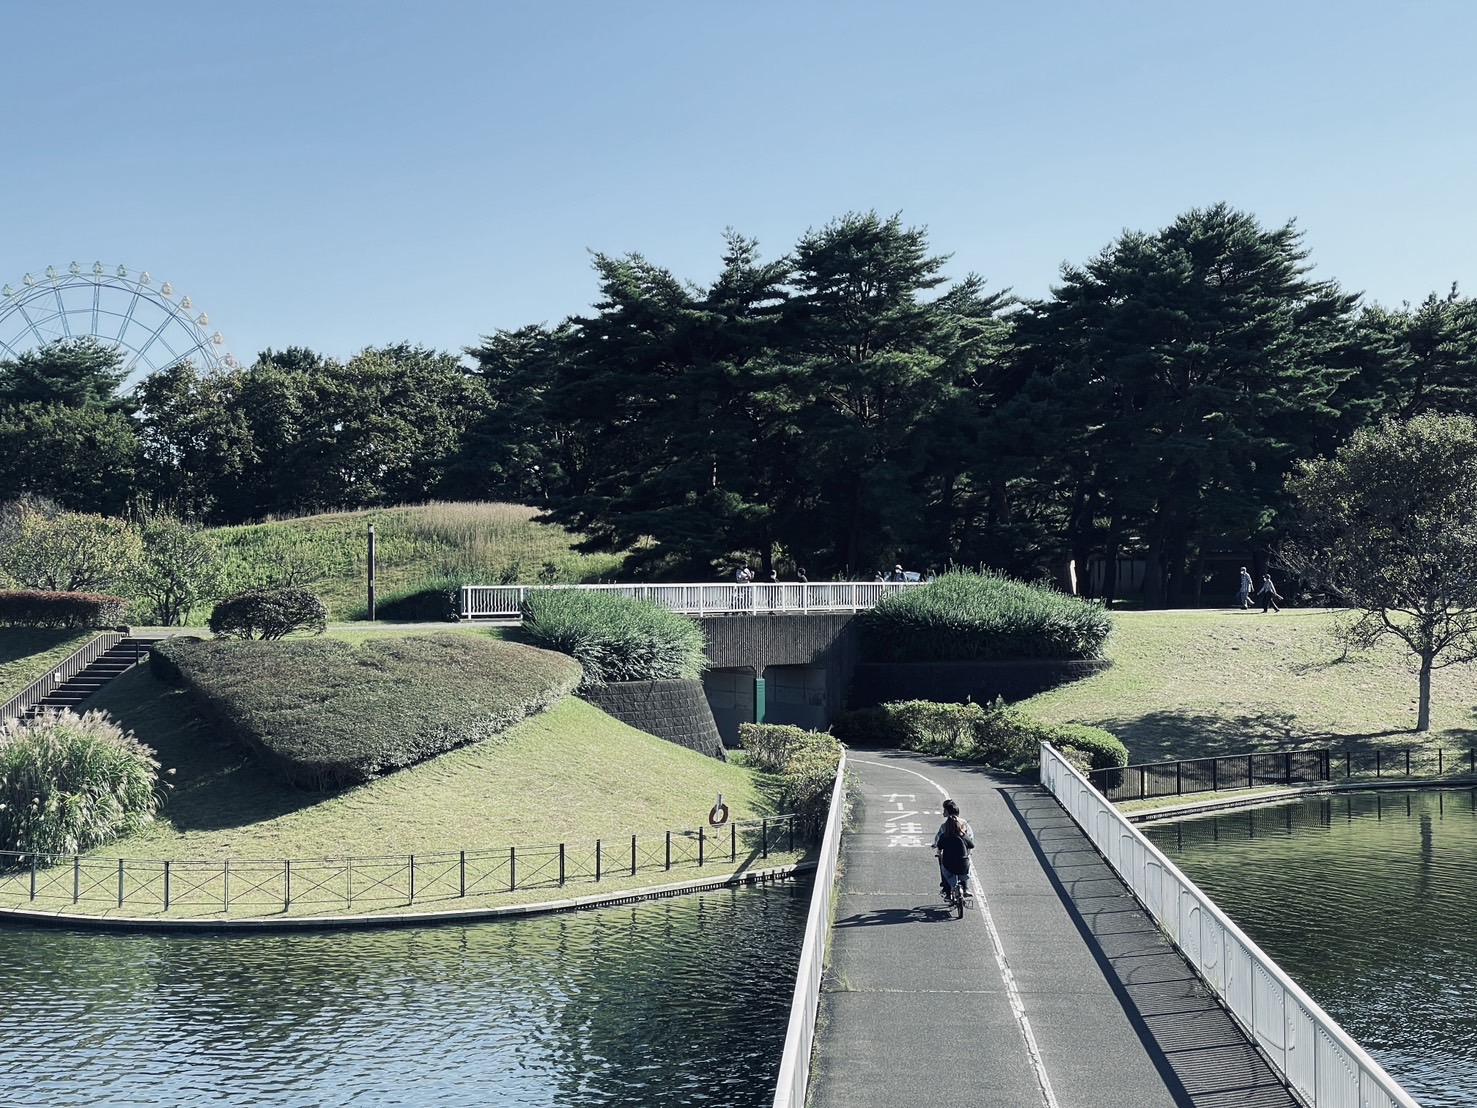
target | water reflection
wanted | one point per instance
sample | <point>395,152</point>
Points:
<point>680,1001</point>
<point>1366,900</point>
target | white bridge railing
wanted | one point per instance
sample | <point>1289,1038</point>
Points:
<point>1316,1057</point>
<point>505,601</point>
<point>794,1077</point>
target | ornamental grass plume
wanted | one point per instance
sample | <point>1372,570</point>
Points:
<point>69,783</point>
<point>615,638</point>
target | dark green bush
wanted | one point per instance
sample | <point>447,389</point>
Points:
<point>324,713</point>
<point>868,727</point>
<point>614,637</point>
<point>985,617</point>
<point>998,734</point>
<point>69,783</point>
<point>804,761</point>
<point>44,608</point>
<point>268,614</point>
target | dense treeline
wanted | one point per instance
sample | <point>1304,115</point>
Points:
<point>841,408</point>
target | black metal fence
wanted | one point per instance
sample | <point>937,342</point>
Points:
<point>195,888</point>
<point>1279,767</point>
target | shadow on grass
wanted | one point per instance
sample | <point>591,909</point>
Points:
<point>1165,735</point>
<point>214,784</point>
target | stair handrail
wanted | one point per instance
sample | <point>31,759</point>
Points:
<point>38,690</point>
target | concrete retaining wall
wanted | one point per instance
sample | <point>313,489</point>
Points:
<point>951,682</point>
<point>673,710</point>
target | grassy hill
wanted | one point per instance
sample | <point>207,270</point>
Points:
<point>415,547</point>
<point>572,772</point>
<point>27,653</point>
<point>1188,683</point>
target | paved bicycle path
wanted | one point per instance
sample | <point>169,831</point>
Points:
<point>1057,990</point>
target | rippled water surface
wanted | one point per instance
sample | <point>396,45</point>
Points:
<point>1369,901</point>
<point>670,1002</point>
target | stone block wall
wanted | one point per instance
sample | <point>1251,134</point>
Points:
<point>673,710</point>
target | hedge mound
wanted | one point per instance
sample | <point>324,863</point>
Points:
<point>324,713</point>
<point>984,617</point>
<point>614,637</point>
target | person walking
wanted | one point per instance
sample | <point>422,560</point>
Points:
<point>1268,594</point>
<point>1243,590</point>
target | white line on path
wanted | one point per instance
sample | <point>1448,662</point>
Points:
<point>1017,1006</point>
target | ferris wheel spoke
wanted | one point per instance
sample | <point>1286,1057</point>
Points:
<point>41,339</point>
<point>61,310</point>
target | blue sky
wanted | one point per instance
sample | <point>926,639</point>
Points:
<point>337,175</point>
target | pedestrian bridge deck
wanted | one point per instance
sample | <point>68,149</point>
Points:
<point>1057,990</point>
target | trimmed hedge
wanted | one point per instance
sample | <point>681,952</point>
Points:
<point>269,614</point>
<point>804,761</point>
<point>69,783</point>
<point>324,713</point>
<point>965,617</point>
<point>615,638</point>
<point>999,734</point>
<point>42,608</point>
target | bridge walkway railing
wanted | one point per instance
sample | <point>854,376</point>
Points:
<point>698,599</point>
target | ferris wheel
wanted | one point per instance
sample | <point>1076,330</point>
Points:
<point>151,326</point>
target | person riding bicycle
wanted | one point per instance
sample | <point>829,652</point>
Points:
<point>953,840</point>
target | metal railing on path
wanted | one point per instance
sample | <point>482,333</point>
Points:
<point>1317,1058</point>
<point>805,1003</point>
<point>1154,780</point>
<point>38,690</point>
<point>506,601</point>
<point>210,887</point>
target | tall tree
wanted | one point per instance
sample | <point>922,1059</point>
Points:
<point>1388,525</point>
<point>875,362</point>
<point>1424,358</point>
<point>1187,370</point>
<point>86,459</point>
<point>79,372</point>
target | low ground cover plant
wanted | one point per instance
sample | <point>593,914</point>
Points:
<point>803,761</point>
<point>324,713</point>
<point>999,734</point>
<point>44,608</point>
<point>986,617</point>
<point>69,783</point>
<point>268,614</point>
<point>614,637</point>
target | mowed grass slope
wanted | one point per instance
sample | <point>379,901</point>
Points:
<point>1191,683</point>
<point>415,547</point>
<point>27,653</point>
<point>572,773</point>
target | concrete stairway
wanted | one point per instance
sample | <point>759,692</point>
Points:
<point>70,695</point>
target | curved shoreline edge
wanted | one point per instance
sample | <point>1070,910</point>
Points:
<point>82,922</point>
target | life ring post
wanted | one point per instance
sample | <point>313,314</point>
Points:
<point>719,815</point>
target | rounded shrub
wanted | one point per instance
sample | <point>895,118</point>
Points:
<point>268,614</point>
<point>986,617</point>
<point>615,638</point>
<point>69,783</point>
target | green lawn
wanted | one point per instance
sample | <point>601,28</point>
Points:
<point>27,653</point>
<point>1190,683</point>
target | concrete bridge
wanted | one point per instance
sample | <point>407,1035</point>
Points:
<point>1059,989</point>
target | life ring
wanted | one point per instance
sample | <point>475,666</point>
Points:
<point>718,816</point>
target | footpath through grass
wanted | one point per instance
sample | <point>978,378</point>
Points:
<point>1186,684</point>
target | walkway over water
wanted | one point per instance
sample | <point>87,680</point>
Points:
<point>1057,990</point>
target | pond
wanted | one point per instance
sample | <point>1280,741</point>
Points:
<point>666,1002</point>
<point>1369,901</point>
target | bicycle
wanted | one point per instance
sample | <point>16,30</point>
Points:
<point>959,894</point>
